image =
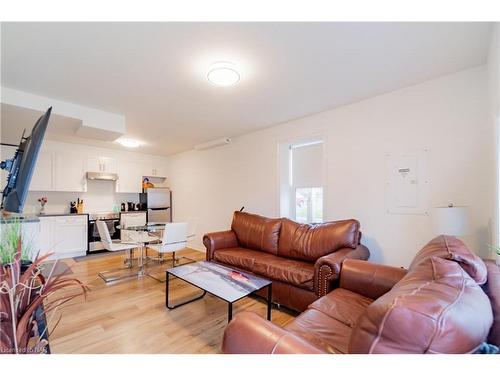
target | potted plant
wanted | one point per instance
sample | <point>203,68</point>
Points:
<point>10,235</point>
<point>24,294</point>
<point>43,201</point>
<point>496,249</point>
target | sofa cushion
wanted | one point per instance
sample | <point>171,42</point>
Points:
<point>492,289</point>
<point>436,308</point>
<point>322,331</point>
<point>294,272</point>
<point>256,232</point>
<point>238,257</point>
<point>448,247</point>
<point>342,305</point>
<point>311,241</point>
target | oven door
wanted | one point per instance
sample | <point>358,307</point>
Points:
<point>94,239</point>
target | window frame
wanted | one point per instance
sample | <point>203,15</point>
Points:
<point>286,190</point>
<point>310,216</point>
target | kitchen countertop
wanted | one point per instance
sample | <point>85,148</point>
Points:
<point>68,214</point>
<point>86,213</point>
<point>13,217</point>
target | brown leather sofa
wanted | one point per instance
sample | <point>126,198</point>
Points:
<point>448,301</point>
<point>302,260</point>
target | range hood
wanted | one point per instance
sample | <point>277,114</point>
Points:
<point>102,176</point>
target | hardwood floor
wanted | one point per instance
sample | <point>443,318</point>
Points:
<point>130,316</point>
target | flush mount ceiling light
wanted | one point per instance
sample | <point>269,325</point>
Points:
<point>128,142</point>
<point>223,74</point>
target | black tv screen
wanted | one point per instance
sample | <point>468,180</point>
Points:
<point>23,165</point>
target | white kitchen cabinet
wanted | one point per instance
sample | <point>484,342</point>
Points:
<point>30,231</point>
<point>46,240</point>
<point>131,219</point>
<point>70,171</point>
<point>64,236</point>
<point>108,165</point>
<point>101,164</point>
<point>160,170</point>
<point>43,175</point>
<point>129,177</point>
<point>71,235</point>
<point>154,170</point>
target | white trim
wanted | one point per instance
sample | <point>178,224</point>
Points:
<point>311,143</point>
<point>300,141</point>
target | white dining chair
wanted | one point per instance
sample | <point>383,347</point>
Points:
<point>175,237</point>
<point>111,245</point>
<point>133,236</point>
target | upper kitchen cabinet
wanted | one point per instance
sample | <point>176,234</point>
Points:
<point>43,175</point>
<point>154,169</point>
<point>70,169</point>
<point>101,164</point>
<point>129,177</point>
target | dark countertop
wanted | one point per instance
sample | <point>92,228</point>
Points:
<point>43,215</point>
<point>13,218</point>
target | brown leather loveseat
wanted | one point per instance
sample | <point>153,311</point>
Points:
<point>447,302</point>
<point>302,260</point>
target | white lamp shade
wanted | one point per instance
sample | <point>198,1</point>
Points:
<point>452,221</point>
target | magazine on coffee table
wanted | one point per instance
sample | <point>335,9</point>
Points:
<point>224,282</point>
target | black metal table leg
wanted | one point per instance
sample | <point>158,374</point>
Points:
<point>167,284</point>
<point>269,301</point>
<point>167,277</point>
<point>229,311</point>
<point>43,330</point>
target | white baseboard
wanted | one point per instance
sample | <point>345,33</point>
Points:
<point>197,248</point>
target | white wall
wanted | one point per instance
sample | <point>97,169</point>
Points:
<point>100,195</point>
<point>447,116</point>
<point>493,70</point>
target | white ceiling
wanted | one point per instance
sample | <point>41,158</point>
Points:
<point>154,73</point>
<point>15,119</point>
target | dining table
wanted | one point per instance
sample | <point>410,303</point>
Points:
<point>141,235</point>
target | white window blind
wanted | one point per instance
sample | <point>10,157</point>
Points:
<point>307,165</point>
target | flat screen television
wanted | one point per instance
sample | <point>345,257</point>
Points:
<point>22,165</point>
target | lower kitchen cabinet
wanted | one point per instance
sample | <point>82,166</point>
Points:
<point>46,241</point>
<point>131,219</point>
<point>64,236</point>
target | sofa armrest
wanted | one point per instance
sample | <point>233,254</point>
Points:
<point>327,268</point>
<point>248,333</point>
<point>369,279</point>
<point>219,240</point>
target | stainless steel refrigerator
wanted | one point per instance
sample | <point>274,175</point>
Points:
<point>158,204</point>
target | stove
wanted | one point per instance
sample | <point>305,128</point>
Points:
<point>112,220</point>
<point>104,215</point>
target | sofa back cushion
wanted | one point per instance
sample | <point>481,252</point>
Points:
<point>436,308</point>
<point>492,289</point>
<point>256,232</point>
<point>448,247</point>
<point>311,241</point>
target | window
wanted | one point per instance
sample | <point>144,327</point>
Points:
<point>302,179</point>
<point>309,205</point>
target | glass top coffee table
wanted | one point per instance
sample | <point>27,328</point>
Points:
<point>223,282</point>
